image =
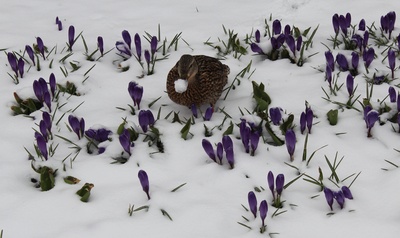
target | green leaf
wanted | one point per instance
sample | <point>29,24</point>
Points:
<point>333,117</point>
<point>47,181</point>
<point>84,192</point>
<point>185,130</point>
<point>229,130</point>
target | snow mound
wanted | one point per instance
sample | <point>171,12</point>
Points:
<point>181,85</point>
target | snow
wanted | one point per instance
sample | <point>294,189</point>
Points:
<point>210,202</point>
<point>181,85</point>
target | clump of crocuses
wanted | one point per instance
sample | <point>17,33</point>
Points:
<point>97,136</point>
<point>226,145</point>
<point>249,137</point>
<point>136,93</point>
<point>276,187</point>
<point>77,125</point>
<point>263,209</point>
<point>306,120</point>
<point>339,196</point>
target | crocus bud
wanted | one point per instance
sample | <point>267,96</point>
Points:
<point>53,84</point>
<point>368,56</point>
<point>254,139</point>
<point>42,146</point>
<point>127,38</point>
<point>228,147</point>
<point>30,53</point>
<point>146,119</point>
<point>339,197</point>
<point>342,62</point>
<point>71,37</point>
<point>251,197</point>
<point>263,211</point>
<point>144,181</point>
<point>290,138</point>
<point>330,61</point>
<point>47,99</point>
<point>138,46</point>
<point>303,122</point>
<point>271,183</point>
<point>256,49</point>
<point>147,56</point>
<point>347,193</point>
<point>350,84</point>
<point>153,45</point>
<point>392,94</point>
<point>43,130</point>
<point>193,108</point>
<point>21,65</point>
<point>276,27</point>
<point>208,114</point>
<point>291,44</point>
<point>47,120</point>
<point>309,119</point>
<point>299,42</point>
<point>12,60</point>
<point>287,30</point>
<point>208,148</point>
<point>354,60</point>
<point>275,115</point>
<point>100,45</point>
<point>329,197</point>
<point>343,24</point>
<point>361,25</point>
<point>220,151</point>
<point>280,181</point>
<point>335,23</point>
<point>392,61</point>
<point>371,118</point>
<point>348,19</point>
<point>257,36</point>
<point>40,46</point>
<point>136,93</point>
<point>125,141</point>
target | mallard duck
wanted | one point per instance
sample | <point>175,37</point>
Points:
<point>204,76</point>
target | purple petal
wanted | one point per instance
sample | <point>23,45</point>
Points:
<point>303,122</point>
<point>339,197</point>
<point>271,182</point>
<point>42,146</point>
<point>100,44</point>
<point>252,199</point>
<point>30,53</point>
<point>208,114</point>
<point>138,46</point>
<point>153,45</point>
<point>208,148</point>
<point>361,25</point>
<point>342,62</point>
<point>147,56</point>
<point>71,36</point>
<point>263,211</point>
<point>21,65</point>
<point>350,84</point>
<point>290,138</point>
<point>347,193</point>
<point>144,181</point>
<point>335,23</point>
<point>12,60</point>
<point>53,84</point>
<point>256,49</point>
<point>127,38</point>
<point>276,27</point>
<point>257,36</point>
<point>309,119</point>
<point>329,197</point>
<point>392,94</point>
<point>220,151</point>
<point>280,180</point>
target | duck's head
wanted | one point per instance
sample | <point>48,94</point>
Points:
<point>187,67</point>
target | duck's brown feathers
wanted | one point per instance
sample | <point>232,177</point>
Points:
<point>205,87</point>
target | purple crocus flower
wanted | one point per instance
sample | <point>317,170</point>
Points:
<point>125,141</point>
<point>365,39</point>
<point>291,44</point>
<point>209,149</point>
<point>40,88</point>
<point>254,139</point>
<point>342,62</point>
<point>57,19</point>
<point>77,125</point>
<point>30,53</point>
<point>144,181</point>
<point>47,99</point>
<point>303,122</point>
<point>329,197</point>
<point>59,26</point>
<point>276,27</point>
<point>208,114</point>
<point>350,84</point>
<point>348,19</point>
<point>146,119</point>
<point>290,138</point>
<point>280,181</point>
<point>339,197</point>
<point>367,109</point>
<point>193,108</point>
<point>330,61</point>
<point>153,45</point>
<point>127,38</point>
<point>42,146</point>
<point>335,23</point>
<point>275,115</point>
<point>286,30</point>
<point>368,56</point>
<point>252,199</point>
<point>371,118</point>
<point>355,58</point>
<point>392,61</point>
<point>100,45</point>
<point>343,24</point>
<point>53,84</point>
<point>271,183</point>
<point>47,120</point>
<point>346,192</point>
<point>40,46</point>
<point>138,46</point>
<point>21,65</point>
<point>392,94</point>
<point>147,56</point>
<point>12,60</point>
<point>43,130</point>
<point>309,119</point>
<point>257,36</point>
<point>256,49</point>
<point>263,211</point>
<point>358,40</point>
<point>220,152</point>
<point>99,135</point>
<point>71,37</point>
<point>361,25</point>
<point>228,147</point>
<point>122,47</point>
<point>136,93</point>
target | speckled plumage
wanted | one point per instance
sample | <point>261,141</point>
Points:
<point>204,86</point>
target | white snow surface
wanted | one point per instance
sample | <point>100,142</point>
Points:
<point>210,203</point>
<point>181,85</point>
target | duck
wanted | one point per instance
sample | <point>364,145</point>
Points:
<point>204,77</point>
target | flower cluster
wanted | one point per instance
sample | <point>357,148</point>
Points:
<point>282,44</point>
<point>126,51</point>
<point>339,196</point>
<point>97,136</point>
<point>42,92</point>
<point>250,137</point>
<point>276,188</point>
<point>387,23</point>
<point>306,120</point>
<point>226,145</point>
<point>263,209</point>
